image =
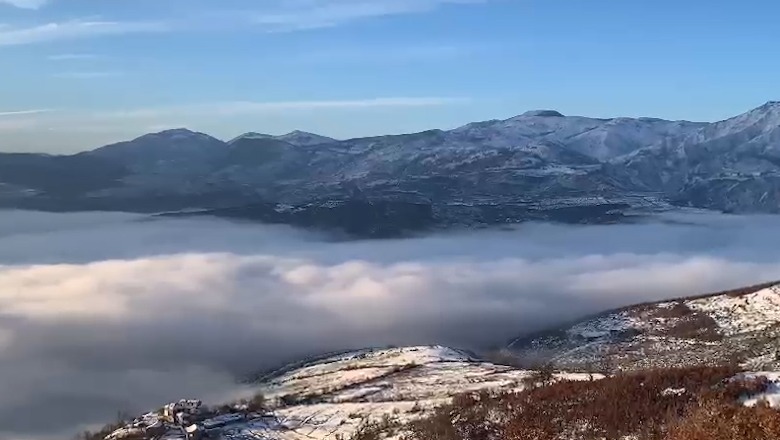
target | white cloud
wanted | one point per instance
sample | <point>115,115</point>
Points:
<point>313,14</point>
<point>12,121</point>
<point>231,108</point>
<point>71,56</point>
<point>417,53</point>
<point>75,29</point>
<point>73,130</point>
<point>24,112</point>
<point>133,122</point>
<point>87,75</point>
<point>25,4</point>
<point>106,312</point>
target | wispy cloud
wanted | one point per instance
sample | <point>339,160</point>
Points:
<point>313,14</point>
<point>122,120</point>
<point>71,57</point>
<point>12,121</point>
<point>23,112</point>
<point>390,54</point>
<point>232,108</point>
<point>25,4</point>
<point>75,29</point>
<point>87,75</point>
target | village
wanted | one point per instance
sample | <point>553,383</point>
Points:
<point>189,419</point>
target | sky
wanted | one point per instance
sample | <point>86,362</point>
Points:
<point>107,312</point>
<point>77,74</point>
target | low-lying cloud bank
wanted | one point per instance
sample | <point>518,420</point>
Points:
<point>106,312</point>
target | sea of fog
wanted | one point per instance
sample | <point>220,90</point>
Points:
<point>107,312</point>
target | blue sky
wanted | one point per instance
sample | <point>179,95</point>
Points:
<point>76,74</point>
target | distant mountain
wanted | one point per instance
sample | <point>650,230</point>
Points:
<point>178,150</point>
<point>297,137</point>
<point>601,139</point>
<point>540,165</point>
<point>732,165</point>
<point>58,176</point>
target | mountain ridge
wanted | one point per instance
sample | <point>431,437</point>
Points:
<point>528,167</point>
<point>737,326</point>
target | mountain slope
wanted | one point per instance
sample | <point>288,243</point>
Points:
<point>600,139</point>
<point>730,165</point>
<point>297,138</point>
<point>177,151</point>
<point>58,176</point>
<point>740,326</point>
<point>680,351</point>
<point>540,165</point>
<point>334,397</point>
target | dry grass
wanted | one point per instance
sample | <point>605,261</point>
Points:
<point>635,404</point>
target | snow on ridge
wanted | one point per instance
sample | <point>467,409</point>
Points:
<point>422,354</point>
<point>742,314</point>
<point>405,383</point>
<point>332,397</point>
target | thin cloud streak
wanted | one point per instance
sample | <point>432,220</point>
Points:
<point>316,14</point>
<point>74,29</point>
<point>250,107</point>
<point>72,57</point>
<point>24,112</point>
<point>86,75</point>
<point>230,108</point>
<point>417,53</point>
<point>25,4</point>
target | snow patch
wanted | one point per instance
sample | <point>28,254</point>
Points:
<point>770,396</point>
<point>742,314</point>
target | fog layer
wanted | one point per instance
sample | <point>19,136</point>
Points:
<point>106,312</point>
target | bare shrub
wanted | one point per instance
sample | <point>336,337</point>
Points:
<point>627,405</point>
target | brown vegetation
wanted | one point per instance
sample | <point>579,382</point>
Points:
<point>674,404</point>
<point>696,326</point>
<point>255,404</point>
<point>376,430</point>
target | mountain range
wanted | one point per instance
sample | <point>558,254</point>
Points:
<point>540,165</point>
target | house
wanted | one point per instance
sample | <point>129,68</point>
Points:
<point>182,406</point>
<point>194,432</point>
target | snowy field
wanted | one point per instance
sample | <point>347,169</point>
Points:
<point>403,384</point>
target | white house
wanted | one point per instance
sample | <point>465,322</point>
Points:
<point>182,406</point>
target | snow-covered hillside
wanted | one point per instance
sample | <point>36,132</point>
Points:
<point>338,394</point>
<point>333,397</point>
<point>742,326</point>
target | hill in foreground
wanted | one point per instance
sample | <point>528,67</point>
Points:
<point>739,326</point>
<point>674,367</point>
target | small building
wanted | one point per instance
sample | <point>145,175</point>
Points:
<point>194,432</point>
<point>182,406</point>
